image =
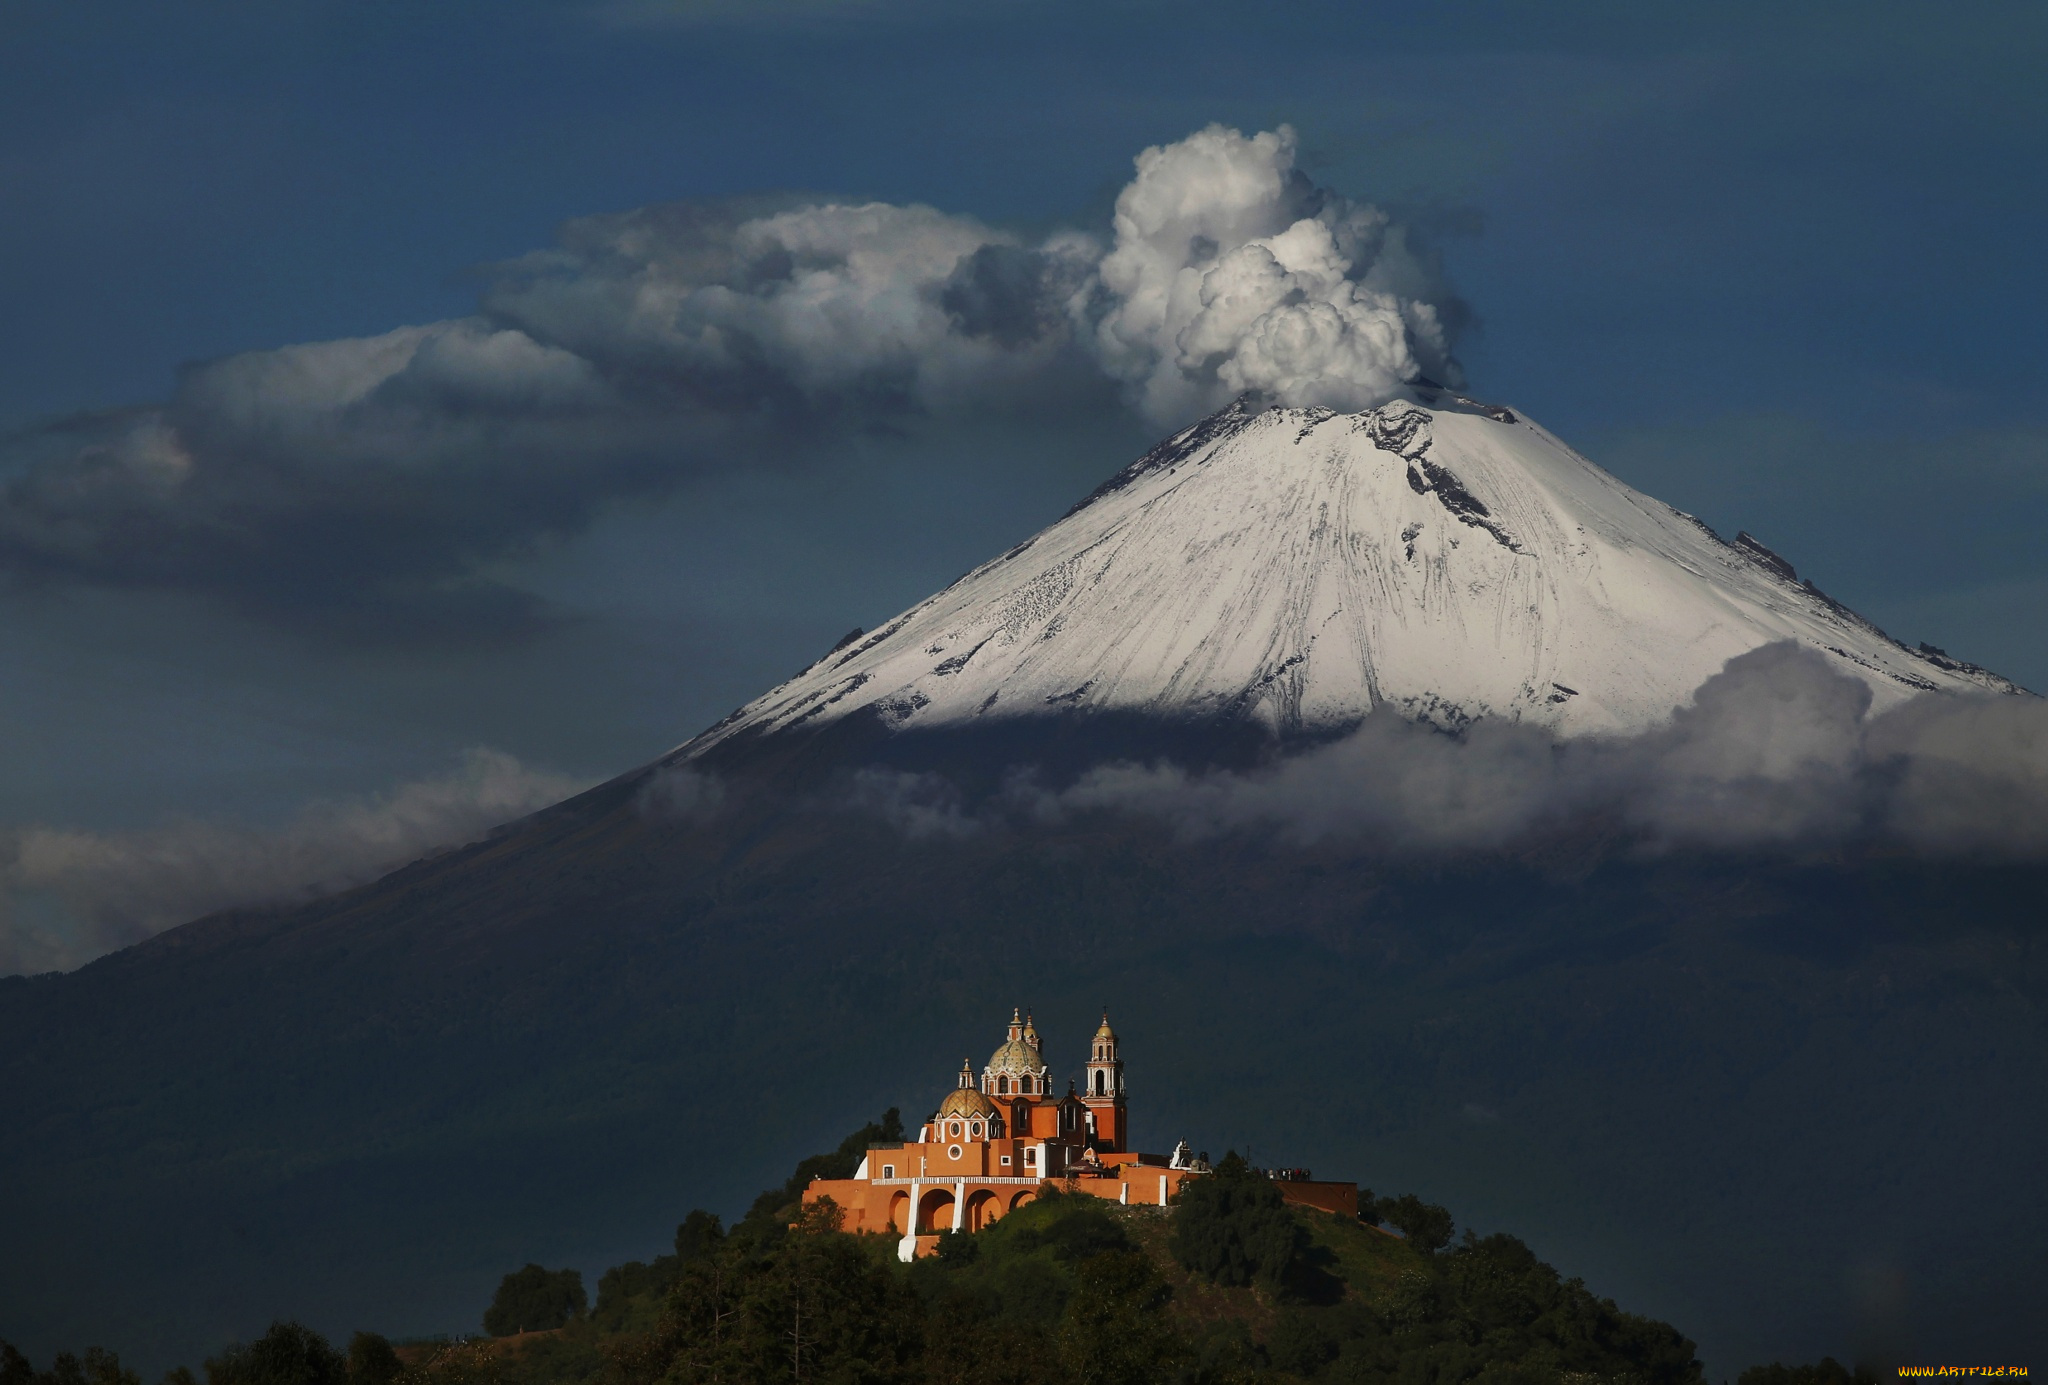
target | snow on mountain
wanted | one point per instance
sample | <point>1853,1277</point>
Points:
<point>1302,567</point>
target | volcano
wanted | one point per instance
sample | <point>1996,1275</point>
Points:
<point>1722,1088</point>
<point>1298,569</point>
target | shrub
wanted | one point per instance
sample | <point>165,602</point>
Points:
<point>371,1361</point>
<point>1073,1227</point>
<point>1234,1228</point>
<point>1426,1225</point>
<point>1826,1371</point>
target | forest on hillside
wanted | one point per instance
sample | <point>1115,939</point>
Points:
<point>1228,1285</point>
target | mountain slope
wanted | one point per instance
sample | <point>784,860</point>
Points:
<point>1683,1073</point>
<point>1299,567</point>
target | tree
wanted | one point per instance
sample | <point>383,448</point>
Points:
<point>697,1338</point>
<point>1234,1228</point>
<point>371,1361</point>
<point>290,1353</point>
<point>698,1235</point>
<point>769,1215</point>
<point>103,1367</point>
<point>100,1367</point>
<point>826,1309</point>
<point>1426,1225</point>
<point>1114,1331</point>
<point>533,1299</point>
<point>816,1305</point>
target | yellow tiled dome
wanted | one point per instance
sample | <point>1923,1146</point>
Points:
<point>967,1103</point>
<point>1016,1056</point>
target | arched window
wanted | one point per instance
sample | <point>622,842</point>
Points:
<point>1002,1086</point>
<point>1098,1084</point>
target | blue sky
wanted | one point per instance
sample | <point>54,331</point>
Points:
<point>1778,265</point>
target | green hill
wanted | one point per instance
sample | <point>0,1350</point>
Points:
<point>1230,1285</point>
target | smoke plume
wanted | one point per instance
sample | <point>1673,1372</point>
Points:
<point>1232,271</point>
<point>385,481</point>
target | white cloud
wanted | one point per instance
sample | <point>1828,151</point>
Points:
<point>683,794</point>
<point>920,806</point>
<point>1777,751</point>
<point>67,896</point>
<point>1970,776</point>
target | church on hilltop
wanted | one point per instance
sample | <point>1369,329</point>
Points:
<point>997,1141</point>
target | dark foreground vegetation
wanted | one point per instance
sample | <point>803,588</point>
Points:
<point>1230,1285</point>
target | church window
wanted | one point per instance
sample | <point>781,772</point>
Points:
<point>888,1170</point>
<point>954,1130</point>
<point>1002,1086</point>
<point>1006,1161</point>
<point>975,1130</point>
<point>952,1151</point>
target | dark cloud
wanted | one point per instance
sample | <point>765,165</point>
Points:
<point>387,483</point>
<point>1007,293</point>
<point>347,480</point>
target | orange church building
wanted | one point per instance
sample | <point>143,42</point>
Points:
<point>998,1141</point>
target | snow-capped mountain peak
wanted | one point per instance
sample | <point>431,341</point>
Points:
<point>1302,567</point>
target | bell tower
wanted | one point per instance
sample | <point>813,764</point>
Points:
<point>1103,1095</point>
